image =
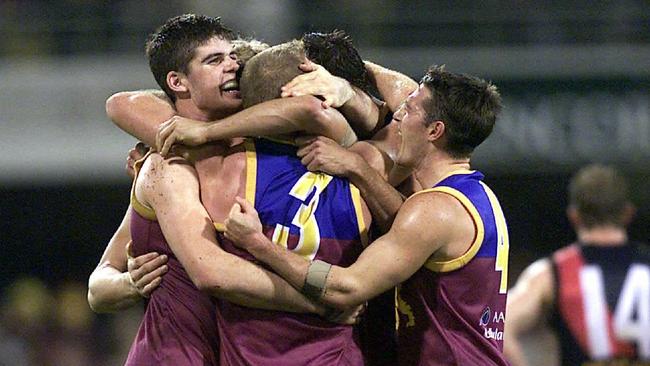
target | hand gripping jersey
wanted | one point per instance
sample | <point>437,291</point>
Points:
<point>317,216</point>
<point>453,313</point>
<point>602,307</point>
<point>179,324</point>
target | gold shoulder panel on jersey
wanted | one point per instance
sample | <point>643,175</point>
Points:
<point>503,246</point>
<point>220,227</point>
<point>358,209</point>
<point>456,263</point>
<point>251,171</point>
<point>144,211</point>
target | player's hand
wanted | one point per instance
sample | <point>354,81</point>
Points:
<point>135,154</point>
<point>318,81</point>
<point>180,130</point>
<point>350,316</point>
<point>325,155</point>
<point>146,271</point>
<point>243,226</point>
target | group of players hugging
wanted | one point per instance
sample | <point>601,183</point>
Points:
<point>302,206</point>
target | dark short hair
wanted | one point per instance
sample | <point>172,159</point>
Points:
<point>600,194</point>
<point>335,52</point>
<point>172,46</point>
<point>467,105</point>
<point>266,72</point>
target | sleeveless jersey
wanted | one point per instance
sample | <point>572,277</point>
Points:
<point>179,323</point>
<point>453,312</point>
<point>317,216</point>
<point>602,306</point>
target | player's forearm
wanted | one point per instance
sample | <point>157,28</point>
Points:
<point>362,113</point>
<point>382,199</point>
<point>290,266</point>
<point>393,86</point>
<point>110,290</point>
<point>283,116</point>
<point>265,291</point>
<point>139,113</point>
<point>341,294</point>
<point>237,280</point>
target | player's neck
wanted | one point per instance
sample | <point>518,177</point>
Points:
<point>603,236</point>
<point>436,167</point>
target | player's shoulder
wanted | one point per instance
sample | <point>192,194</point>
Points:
<point>538,269</point>
<point>375,157</point>
<point>537,278</point>
<point>434,202</point>
<point>158,171</point>
<point>433,209</point>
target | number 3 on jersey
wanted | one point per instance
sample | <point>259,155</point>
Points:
<point>305,218</point>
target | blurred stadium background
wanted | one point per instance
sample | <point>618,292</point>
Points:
<point>574,76</point>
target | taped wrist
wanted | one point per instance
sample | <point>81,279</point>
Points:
<point>314,286</point>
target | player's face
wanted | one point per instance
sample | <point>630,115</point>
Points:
<point>410,119</point>
<point>212,77</point>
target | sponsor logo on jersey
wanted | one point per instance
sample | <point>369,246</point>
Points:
<point>495,334</point>
<point>485,317</point>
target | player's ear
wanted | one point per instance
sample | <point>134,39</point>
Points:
<point>436,130</point>
<point>177,82</point>
<point>573,216</point>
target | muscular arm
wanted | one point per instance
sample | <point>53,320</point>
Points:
<point>109,286</point>
<point>369,177</point>
<point>362,113</point>
<point>303,114</point>
<point>529,303</point>
<point>390,260</point>
<point>171,187</point>
<point>359,109</point>
<point>140,113</point>
<point>393,86</point>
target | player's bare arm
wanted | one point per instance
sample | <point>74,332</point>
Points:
<point>529,302</point>
<point>303,114</point>
<point>426,224</point>
<point>119,281</point>
<point>358,108</point>
<point>139,113</point>
<point>171,188</point>
<point>393,86</point>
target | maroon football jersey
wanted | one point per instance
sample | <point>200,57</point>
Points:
<point>453,313</point>
<point>317,216</point>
